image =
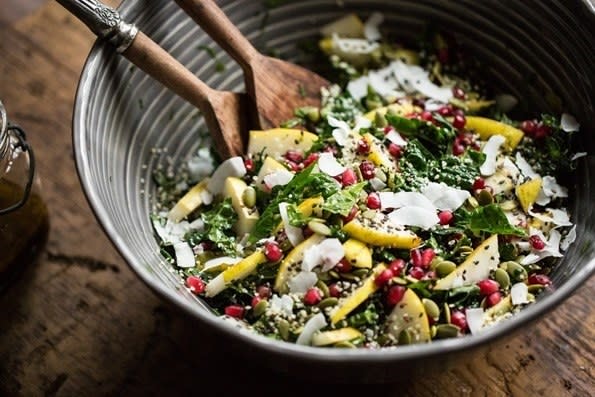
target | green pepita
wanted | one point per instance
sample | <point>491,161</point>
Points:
<point>535,288</point>
<point>399,281</point>
<point>484,197</point>
<point>432,309</point>
<point>361,273</point>
<point>404,337</point>
<point>249,197</point>
<point>380,175</point>
<point>283,327</point>
<point>328,302</point>
<point>502,278</point>
<point>516,272</point>
<point>319,228</point>
<point>380,120</point>
<point>260,308</point>
<point>334,274</point>
<point>350,277</point>
<point>323,288</point>
<point>435,262</point>
<point>447,313</point>
<point>444,331</point>
<point>472,201</point>
<point>444,268</point>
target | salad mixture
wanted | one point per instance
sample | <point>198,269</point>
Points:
<point>407,208</point>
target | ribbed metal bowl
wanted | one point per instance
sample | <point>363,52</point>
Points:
<point>125,125</point>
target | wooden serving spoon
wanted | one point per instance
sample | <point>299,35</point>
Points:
<point>225,113</point>
<point>275,87</point>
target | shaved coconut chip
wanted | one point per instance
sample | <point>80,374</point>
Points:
<point>215,286</point>
<point>200,167</point>
<point>278,178</point>
<point>327,253</point>
<point>341,131</point>
<point>558,217</point>
<point>329,165</point>
<point>515,218</point>
<point>552,247</point>
<point>506,102</point>
<point>205,196</point>
<point>568,239</point>
<point>358,88</point>
<point>361,122</point>
<point>458,282</point>
<point>294,233</point>
<point>474,319</point>
<point>578,156</point>
<point>197,224</point>
<point>223,260</point>
<point>415,78</point>
<point>414,216</point>
<point>405,199</point>
<point>491,149</point>
<point>383,81</point>
<point>551,188</point>
<point>432,105</point>
<point>568,123</point>
<point>510,167</point>
<point>371,31</point>
<point>184,255</point>
<point>518,294</point>
<point>523,246</point>
<point>542,199</point>
<point>315,323</point>
<point>525,167</point>
<point>311,258</point>
<point>445,197</point>
<point>233,166</point>
<point>302,282</point>
<point>354,46</point>
<point>283,304</point>
<point>377,184</point>
<point>171,232</point>
<point>396,138</point>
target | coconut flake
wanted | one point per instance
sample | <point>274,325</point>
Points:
<point>405,199</point>
<point>414,216</point>
<point>568,123</point>
<point>354,46</point>
<point>371,31</point>
<point>302,282</point>
<point>377,184</point>
<point>222,260</point>
<point>361,122</point>
<point>233,166</point>
<point>491,149</point>
<point>578,155</point>
<point>525,167</point>
<point>283,304</point>
<point>552,247</point>
<point>205,196</point>
<point>327,254</point>
<point>294,233</point>
<point>314,324</point>
<point>171,232</point>
<point>278,178</point>
<point>568,239</point>
<point>558,217</point>
<point>184,255</point>
<point>552,189</point>
<point>519,294</point>
<point>445,197</point>
<point>358,88</point>
<point>383,81</point>
<point>415,78</point>
<point>457,282</point>
<point>474,319</point>
<point>201,165</point>
<point>329,164</point>
<point>396,138</point>
<point>198,224</point>
<point>341,131</point>
<point>215,286</point>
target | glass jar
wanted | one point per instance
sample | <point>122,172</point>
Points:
<point>23,214</point>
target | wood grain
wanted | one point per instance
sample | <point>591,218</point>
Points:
<point>80,323</point>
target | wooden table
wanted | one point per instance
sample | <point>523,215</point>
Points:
<point>80,323</point>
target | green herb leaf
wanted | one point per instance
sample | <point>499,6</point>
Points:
<point>437,138</point>
<point>218,223</point>
<point>296,218</point>
<point>491,219</point>
<point>343,201</point>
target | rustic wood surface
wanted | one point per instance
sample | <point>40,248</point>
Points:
<point>80,323</point>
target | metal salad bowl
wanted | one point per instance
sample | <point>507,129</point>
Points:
<point>126,125</point>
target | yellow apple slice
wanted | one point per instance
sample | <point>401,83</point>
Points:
<point>238,271</point>
<point>277,141</point>
<point>487,127</point>
<point>326,338</point>
<point>357,253</point>
<point>410,315</point>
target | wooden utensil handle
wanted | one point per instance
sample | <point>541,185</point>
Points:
<point>208,15</point>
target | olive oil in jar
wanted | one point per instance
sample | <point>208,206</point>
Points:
<point>23,214</point>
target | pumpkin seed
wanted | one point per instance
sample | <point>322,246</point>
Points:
<point>502,278</point>
<point>350,277</point>
<point>444,331</point>
<point>319,228</point>
<point>334,274</point>
<point>361,273</point>
<point>508,205</point>
<point>435,262</point>
<point>324,277</point>
<point>535,288</point>
<point>399,281</point>
<point>515,270</point>
<point>380,120</point>
<point>380,175</point>
<point>404,337</point>
<point>328,302</point>
<point>433,331</point>
<point>323,288</point>
<point>447,313</point>
<point>283,327</point>
<point>384,339</point>
<point>444,268</point>
<point>432,309</point>
<point>484,197</point>
<point>260,308</point>
<point>472,201</point>
<point>312,113</point>
<point>465,250</point>
<point>345,345</point>
<point>249,197</point>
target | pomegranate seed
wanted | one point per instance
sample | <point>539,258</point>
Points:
<point>536,242</point>
<point>445,111</point>
<point>312,157</point>
<point>334,290</point>
<point>458,149</point>
<point>344,266</point>
<point>479,184</point>
<point>362,147</point>
<point>295,167</point>
<point>445,217</point>
<point>395,295</point>
<point>528,127</point>
<point>427,256</point>
<point>235,311</point>
<point>348,177</point>
<point>395,150</point>
<point>416,257</point>
<point>264,291</point>
<point>294,155</point>
<point>367,169</point>
<point>373,201</point>
<point>255,300</point>
<point>312,296</point>
<point>196,285</point>
<point>541,131</point>
<point>330,149</point>
<point>459,121</point>
<point>493,298</point>
<point>307,232</point>
<point>459,319</point>
<point>464,139</point>
<point>458,92</point>
<point>488,287</point>
<point>417,272</point>
<point>272,251</point>
<point>249,164</point>
<point>397,266</point>
<point>427,116</point>
<point>419,102</point>
<point>388,129</point>
<point>458,111</point>
<point>429,275</point>
<point>539,279</point>
<point>383,277</point>
<point>351,215</point>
